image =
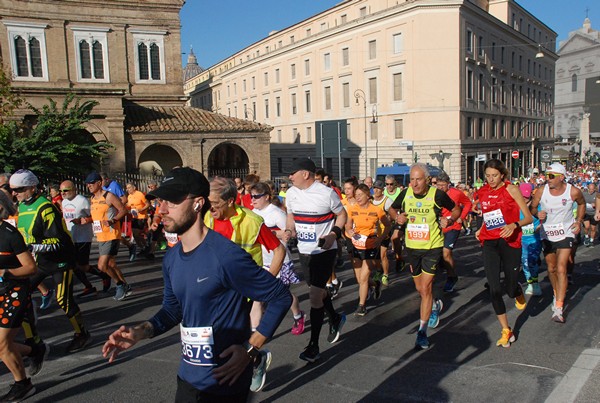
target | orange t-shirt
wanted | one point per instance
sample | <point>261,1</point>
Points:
<point>366,224</point>
<point>137,201</point>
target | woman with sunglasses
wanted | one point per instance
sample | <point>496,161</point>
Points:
<point>500,237</point>
<point>16,266</point>
<point>363,229</point>
<point>275,220</point>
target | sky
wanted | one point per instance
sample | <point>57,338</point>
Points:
<point>218,29</point>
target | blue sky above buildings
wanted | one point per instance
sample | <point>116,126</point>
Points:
<point>216,30</point>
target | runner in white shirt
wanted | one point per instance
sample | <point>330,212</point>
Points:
<point>275,219</point>
<point>559,229</point>
<point>315,217</point>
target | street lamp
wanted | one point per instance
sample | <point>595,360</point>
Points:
<point>374,121</point>
<point>360,94</point>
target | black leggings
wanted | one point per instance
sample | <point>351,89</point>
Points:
<point>499,257</point>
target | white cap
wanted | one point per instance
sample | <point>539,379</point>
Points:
<point>22,178</point>
<point>557,168</point>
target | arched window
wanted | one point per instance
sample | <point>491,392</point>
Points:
<point>143,60</point>
<point>574,83</point>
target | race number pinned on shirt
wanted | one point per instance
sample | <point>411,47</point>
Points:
<point>555,232</point>
<point>494,219</point>
<point>528,230</point>
<point>171,237</point>
<point>197,345</point>
<point>306,232</point>
<point>417,232</point>
<point>359,241</point>
<point>97,226</point>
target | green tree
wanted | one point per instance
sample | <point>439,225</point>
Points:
<point>57,143</point>
<point>9,100</point>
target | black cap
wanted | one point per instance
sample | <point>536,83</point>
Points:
<point>93,177</point>
<point>379,184</point>
<point>303,164</point>
<point>179,183</point>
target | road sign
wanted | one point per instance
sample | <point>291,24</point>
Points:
<point>546,155</point>
<point>515,154</point>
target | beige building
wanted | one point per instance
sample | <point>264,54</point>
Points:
<point>447,82</point>
<point>577,122</point>
<point>127,56</point>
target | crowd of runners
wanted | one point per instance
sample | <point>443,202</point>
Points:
<point>378,225</point>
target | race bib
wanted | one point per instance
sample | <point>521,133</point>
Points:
<point>359,241</point>
<point>306,232</point>
<point>494,219</point>
<point>171,238</point>
<point>417,232</point>
<point>528,230</point>
<point>197,345</point>
<point>97,226</point>
<point>555,232</point>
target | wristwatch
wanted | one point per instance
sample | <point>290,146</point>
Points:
<point>252,351</point>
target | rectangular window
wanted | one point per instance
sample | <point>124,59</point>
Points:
<point>343,19</point>
<point>397,43</point>
<point>374,134</point>
<point>494,90</point>
<point>480,51</point>
<point>373,90</point>
<point>253,83</point>
<point>345,57</point>
<point>502,129</point>
<point>307,100</point>
<point>308,32</point>
<point>149,55</point>
<point>309,134</point>
<point>307,67</point>
<point>494,129</point>
<point>372,50</point>
<point>363,11</point>
<point>327,61</point>
<point>397,87</point>
<point>323,26</point>
<point>292,39</point>
<point>276,76</point>
<point>469,127</point>
<point>502,93</point>
<point>279,136</point>
<point>266,109</point>
<point>481,131</point>
<point>28,51</point>
<point>481,88</point>
<point>398,128</point>
<point>469,41</point>
<point>266,79</point>
<point>346,95</point>
<point>294,107</point>
<point>244,85</point>
<point>502,52</point>
<point>278,106</point>
<point>328,98</point>
<point>469,84</point>
<point>293,71</point>
<point>91,54</point>
<point>493,50</point>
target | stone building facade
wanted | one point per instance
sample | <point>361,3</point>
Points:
<point>127,56</point>
<point>449,83</point>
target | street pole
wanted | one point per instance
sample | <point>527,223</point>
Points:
<point>360,94</point>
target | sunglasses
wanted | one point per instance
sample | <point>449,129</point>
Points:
<point>19,190</point>
<point>552,176</point>
<point>434,183</point>
<point>65,190</point>
<point>389,184</point>
<point>258,196</point>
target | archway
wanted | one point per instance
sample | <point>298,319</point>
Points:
<point>228,160</point>
<point>158,159</point>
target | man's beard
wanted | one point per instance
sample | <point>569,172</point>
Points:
<point>182,227</point>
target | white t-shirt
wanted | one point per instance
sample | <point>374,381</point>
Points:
<point>388,203</point>
<point>77,208</point>
<point>314,210</point>
<point>559,219</point>
<point>274,219</point>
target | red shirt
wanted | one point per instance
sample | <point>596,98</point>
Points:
<point>460,199</point>
<point>499,209</point>
<point>247,201</point>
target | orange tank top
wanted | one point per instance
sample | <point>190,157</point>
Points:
<point>101,212</point>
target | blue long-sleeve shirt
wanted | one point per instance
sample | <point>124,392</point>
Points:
<point>205,292</point>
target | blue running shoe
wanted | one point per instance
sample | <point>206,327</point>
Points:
<point>259,374</point>
<point>422,342</point>
<point>47,299</point>
<point>434,318</point>
<point>335,329</point>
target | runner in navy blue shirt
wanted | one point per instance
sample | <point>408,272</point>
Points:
<point>207,281</point>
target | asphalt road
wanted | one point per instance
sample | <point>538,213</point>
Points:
<point>374,360</point>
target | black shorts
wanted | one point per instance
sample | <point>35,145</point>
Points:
<point>450,238</point>
<point>590,218</point>
<point>386,243</point>
<point>187,393</point>
<point>366,254</point>
<point>551,247</point>
<point>82,253</point>
<point>318,267</point>
<point>423,260</point>
<point>138,223</point>
<point>15,301</point>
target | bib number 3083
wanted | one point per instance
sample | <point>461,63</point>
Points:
<point>197,345</point>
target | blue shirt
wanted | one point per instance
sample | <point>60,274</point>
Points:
<point>114,188</point>
<point>208,287</point>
